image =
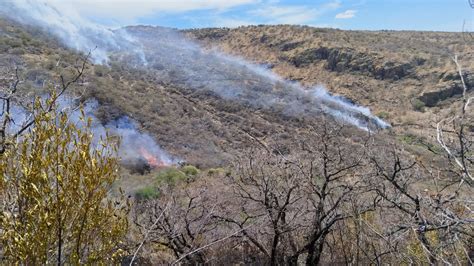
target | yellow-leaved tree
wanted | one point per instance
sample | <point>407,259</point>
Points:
<point>54,195</point>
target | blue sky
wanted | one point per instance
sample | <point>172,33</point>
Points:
<point>438,15</point>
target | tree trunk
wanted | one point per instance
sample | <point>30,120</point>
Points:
<point>273,258</point>
<point>314,253</point>
<point>293,260</point>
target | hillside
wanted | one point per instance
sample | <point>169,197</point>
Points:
<point>282,140</point>
<point>197,126</point>
<point>406,78</point>
<point>377,69</point>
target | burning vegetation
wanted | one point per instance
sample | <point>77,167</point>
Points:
<point>139,151</point>
<point>144,162</point>
<point>152,160</point>
<point>303,190</point>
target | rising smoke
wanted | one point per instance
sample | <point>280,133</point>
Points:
<point>135,147</point>
<point>174,59</point>
<point>72,29</point>
<point>179,61</point>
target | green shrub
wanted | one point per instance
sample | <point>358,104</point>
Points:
<point>100,71</point>
<point>170,176</point>
<point>409,139</point>
<point>49,64</point>
<point>215,171</point>
<point>420,141</point>
<point>146,193</point>
<point>418,105</point>
<point>190,170</point>
<point>383,115</point>
<point>14,43</point>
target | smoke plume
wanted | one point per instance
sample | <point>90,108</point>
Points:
<point>135,146</point>
<point>178,61</point>
<point>137,149</point>
<point>173,58</point>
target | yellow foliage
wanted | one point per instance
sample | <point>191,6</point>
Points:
<point>54,200</point>
<point>415,248</point>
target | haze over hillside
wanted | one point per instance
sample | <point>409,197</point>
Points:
<point>171,59</point>
<point>258,144</point>
<point>205,95</point>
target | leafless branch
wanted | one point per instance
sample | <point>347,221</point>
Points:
<point>146,235</point>
<point>460,157</point>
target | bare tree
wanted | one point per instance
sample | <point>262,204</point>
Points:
<point>429,207</point>
<point>456,135</point>
<point>181,221</point>
<point>436,211</point>
<point>268,194</point>
<point>296,200</point>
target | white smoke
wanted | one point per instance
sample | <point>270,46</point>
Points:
<point>132,142</point>
<point>348,111</point>
<point>181,62</point>
<point>72,29</point>
<point>176,60</point>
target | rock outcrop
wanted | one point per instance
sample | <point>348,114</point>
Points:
<point>452,87</point>
<point>349,60</point>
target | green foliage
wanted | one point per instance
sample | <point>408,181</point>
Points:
<point>418,105</point>
<point>49,64</point>
<point>148,192</point>
<point>415,250</point>
<point>54,204</point>
<point>409,139</point>
<point>383,115</point>
<point>190,170</point>
<point>216,171</point>
<point>420,141</point>
<point>170,176</point>
<point>13,43</point>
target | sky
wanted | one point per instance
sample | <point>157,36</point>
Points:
<point>430,15</point>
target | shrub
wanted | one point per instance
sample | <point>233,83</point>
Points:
<point>418,105</point>
<point>409,139</point>
<point>190,170</point>
<point>216,171</point>
<point>383,115</point>
<point>17,51</point>
<point>14,43</point>
<point>54,179</point>
<point>100,71</point>
<point>49,64</point>
<point>146,193</point>
<point>170,176</point>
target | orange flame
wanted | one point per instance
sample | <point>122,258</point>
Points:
<point>152,160</point>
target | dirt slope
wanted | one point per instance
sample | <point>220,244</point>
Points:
<point>386,71</point>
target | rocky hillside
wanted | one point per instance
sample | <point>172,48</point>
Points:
<point>259,168</point>
<point>395,73</point>
<point>406,78</point>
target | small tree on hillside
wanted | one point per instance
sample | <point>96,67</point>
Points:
<point>53,195</point>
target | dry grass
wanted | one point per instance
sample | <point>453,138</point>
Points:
<point>207,131</point>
